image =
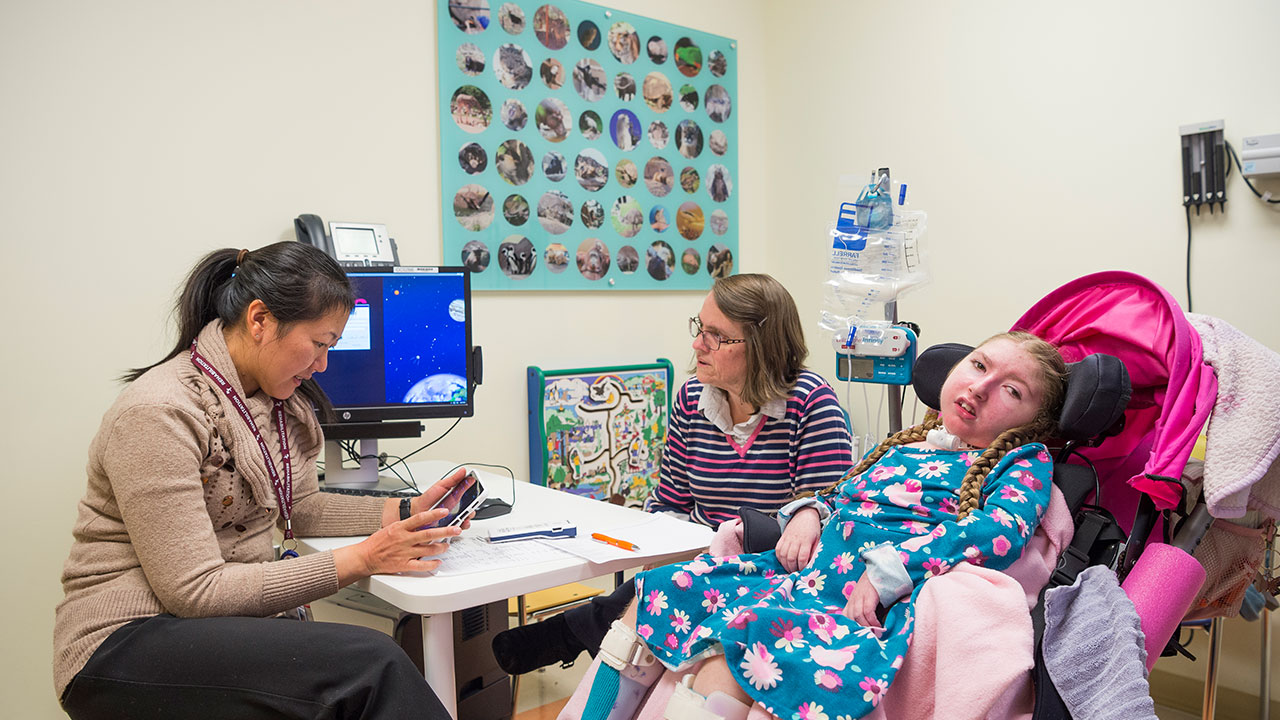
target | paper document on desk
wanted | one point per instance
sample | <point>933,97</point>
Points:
<point>658,535</point>
<point>474,554</point>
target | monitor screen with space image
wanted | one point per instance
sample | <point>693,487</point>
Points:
<point>406,350</point>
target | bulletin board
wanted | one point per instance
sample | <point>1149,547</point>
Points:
<point>599,432</point>
<point>585,148</point>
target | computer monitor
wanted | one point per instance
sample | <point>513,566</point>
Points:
<point>405,354</point>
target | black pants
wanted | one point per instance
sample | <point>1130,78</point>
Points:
<point>238,667</point>
<point>590,622</point>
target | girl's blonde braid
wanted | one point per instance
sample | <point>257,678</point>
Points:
<point>971,486</point>
<point>903,437</point>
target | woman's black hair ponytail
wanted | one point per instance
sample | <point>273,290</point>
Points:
<point>296,281</point>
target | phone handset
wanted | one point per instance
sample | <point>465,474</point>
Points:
<point>310,230</point>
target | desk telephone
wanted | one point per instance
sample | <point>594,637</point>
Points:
<point>352,244</point>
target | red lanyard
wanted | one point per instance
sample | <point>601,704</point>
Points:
<point>284,490</point>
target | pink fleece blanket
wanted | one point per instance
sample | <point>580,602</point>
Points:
<point>972,652</point>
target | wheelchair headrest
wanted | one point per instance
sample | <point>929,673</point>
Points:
<point>1097,393</point>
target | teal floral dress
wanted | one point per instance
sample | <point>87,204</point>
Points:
<point>784,635</point>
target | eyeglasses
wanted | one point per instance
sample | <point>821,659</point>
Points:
<point>713,340</point>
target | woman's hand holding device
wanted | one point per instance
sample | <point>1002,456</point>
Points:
<point>799,542</point>
<point>405,545</point>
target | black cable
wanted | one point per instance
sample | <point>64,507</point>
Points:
<point>433,442</point>
<point>1248,182</point>
<point>1188,208</point>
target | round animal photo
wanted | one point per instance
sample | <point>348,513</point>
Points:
<point>689,180</point>
<point>688,57</point>
<point>658,176</point>
<point>512,67</point>
<point>511,18</point>
<point>589,80</point>
<point>592,214</point>
<point>690,261</point>
<point>719,186</point>
<point>627,216</point>
<point>554,166</point>
<point>718,142</point>
<point>555,212</point>
<point>625,85</point>
<point>552,73</point>
<point>589,125</point>
<point>657,92</point>
<point>688,97</point>
<point>689,221</point>
<point>469,16</point>
<point>719,105</point>
<point>719,261</point>
<point>624,130</point>
<point>659,220</point>
<point>689,139</point>
<point>588,35</point>
<point>658,134</point>
<point>719,222</point>
<point>514,161</point>
<point>475,256</point>
<point>626,173</point>
<point>556,257</point>
<point>628,260</point>
<point>717,63</point>
<point>514,116</point>
<point>515,209</point>
<point>593,259</point>
<point>517,257</point>
<point>551,26</point>
<point>473,207</point>
<point>660,260</point>
<point>657,49</point>
<point>470,59</point>
<point>471,109</point>
<point>473,159</point>
<point>591,169</point>
<point>624,43</point>
<point>553,119</point>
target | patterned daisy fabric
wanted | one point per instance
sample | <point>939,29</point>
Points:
<point>784,635</point>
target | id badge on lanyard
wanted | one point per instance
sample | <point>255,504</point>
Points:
<point>281,483</point>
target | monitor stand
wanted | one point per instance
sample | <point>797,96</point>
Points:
<point>365,475</point>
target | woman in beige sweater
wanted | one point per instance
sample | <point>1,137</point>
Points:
<point>175,603</point>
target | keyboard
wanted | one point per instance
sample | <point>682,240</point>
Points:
<point>370,492</point>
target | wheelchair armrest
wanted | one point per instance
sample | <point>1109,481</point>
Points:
<point>760,531</point>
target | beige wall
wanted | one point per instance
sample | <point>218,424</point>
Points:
<point>135,136</point>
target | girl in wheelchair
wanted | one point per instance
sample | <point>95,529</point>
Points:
<point>818,627</point>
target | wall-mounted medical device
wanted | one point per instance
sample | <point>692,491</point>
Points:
<point>352,244</point>
<point>1260,155</point>
<point>1204,165</point>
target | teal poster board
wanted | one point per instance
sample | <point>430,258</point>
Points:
<point>599,432</point>
<point>585,148</point>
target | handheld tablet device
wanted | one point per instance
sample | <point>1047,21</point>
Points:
<point>461,501</point>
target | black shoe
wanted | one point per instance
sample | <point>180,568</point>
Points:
<point>523,649</point>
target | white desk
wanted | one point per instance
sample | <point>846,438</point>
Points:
<point>436,598</point>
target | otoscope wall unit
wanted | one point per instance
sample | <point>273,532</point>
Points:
<point>1204,162</point>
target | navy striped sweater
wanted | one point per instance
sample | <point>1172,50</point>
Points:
<point>706,475</point>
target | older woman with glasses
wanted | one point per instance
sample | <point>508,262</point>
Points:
<point>754,429</point>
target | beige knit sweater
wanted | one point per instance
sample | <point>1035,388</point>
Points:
<point>179,510</point>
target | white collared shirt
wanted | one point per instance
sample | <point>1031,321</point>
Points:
<point>713,404</point>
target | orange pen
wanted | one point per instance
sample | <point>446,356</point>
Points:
<point>615,542</point>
